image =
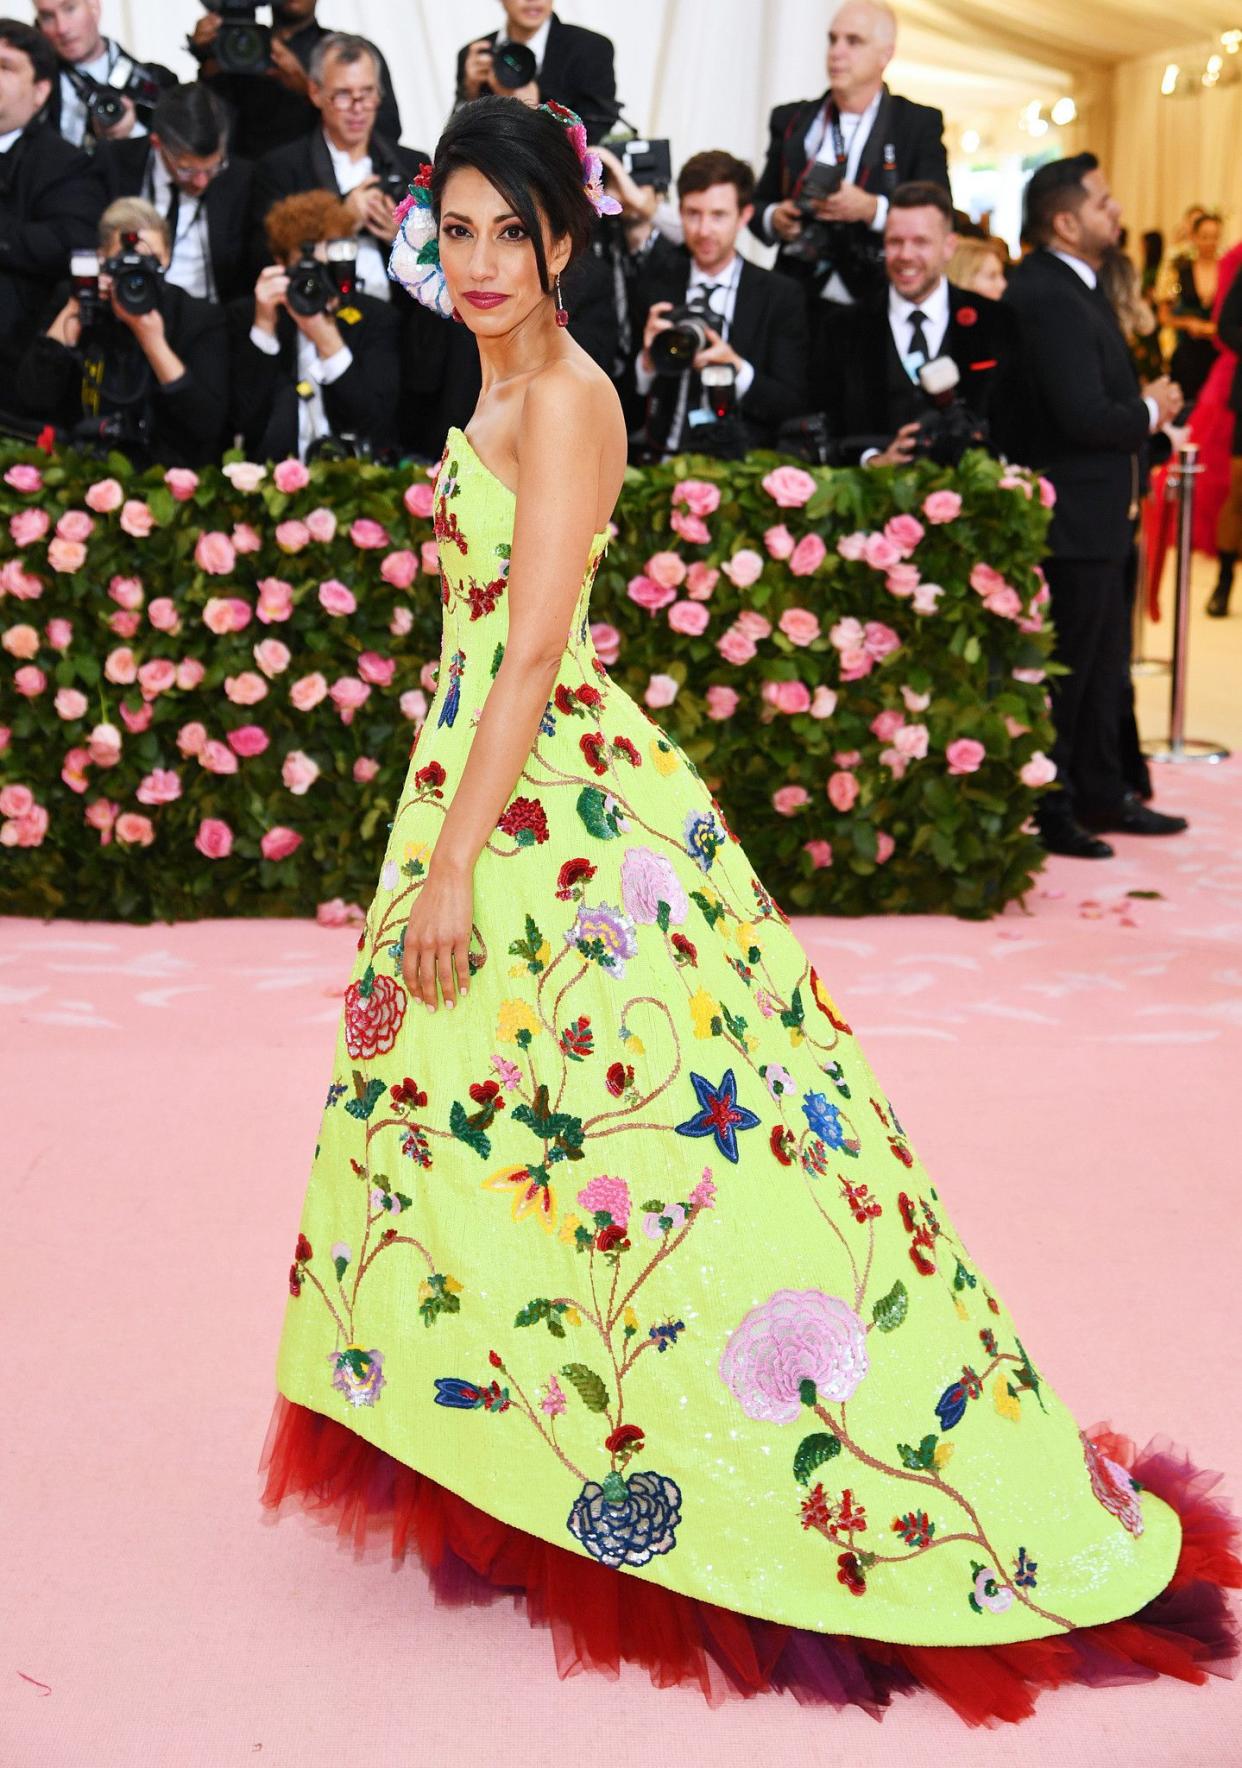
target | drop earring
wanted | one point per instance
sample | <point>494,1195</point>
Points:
<point>457,316</point>
<point>562,317</point>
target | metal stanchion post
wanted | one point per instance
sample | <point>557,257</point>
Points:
<point>1179,747</point>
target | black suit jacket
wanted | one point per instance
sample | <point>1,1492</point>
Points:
<point>123,168</point>
<point>162,75</point>
<point>1074,410</point>
<point>981,339</point>
<point>915,133</point>
<point>187,417</point>
<point>306,164</point>
<point>577,72</point>
<point>363,401</point>
<point>50,203</point>
<point>768,331</point>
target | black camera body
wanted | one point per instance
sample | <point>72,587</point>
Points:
<point>137,277</point>
<point>950,427</point>
<point>105,99</point>
<point>649,163</point>
<point>513,65</point>
<point>394,183</point>
<point>673,351</point>
<point>814,242</point>
<point>242,46</point>
<point>315,284</point>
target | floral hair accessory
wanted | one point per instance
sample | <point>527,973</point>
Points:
<point>414,261</point>
<point>592,165</point>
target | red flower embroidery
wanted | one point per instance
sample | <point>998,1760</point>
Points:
<point>495,1361</point>
<point>967,316</point>
<point>445,526</point>
<point>563,700</point>
<point>525,815</point>
<point>487,1092</point>
<point>574,871</point>
<point>592,746</point>
<point>611,1239</point>
<point>432,775</point>
<point>851,1574</point>
<point>588,696</point>
<point>295,1281</point>
<point>484,596</point>
<point>625,1437</point>
<point>373,1018</point>
<point>781,1141</point>
<point>302,1251</point>
<point>408,1092</point>
<point>623,746</point>
<point>423,176</point>
<point>685,948</point>
<point>620,1075</point>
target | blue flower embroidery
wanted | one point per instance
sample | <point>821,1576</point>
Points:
<point>824,1119</point>
<point>702,838</point>
<point>719,1114</point>
<point>627,1521</point>
<point>951,1406</point>
<point>448,712</point>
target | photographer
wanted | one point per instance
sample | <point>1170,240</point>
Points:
<point>878,412</point>
<point>345,153</point>
<point>49,197</point>
<point>103,92</point>
<point>747,329</point>
<point>264,74</point>
<point>130,359</point>
<point>536,57</point>
<point>313,364</point>
<point>183,169</point>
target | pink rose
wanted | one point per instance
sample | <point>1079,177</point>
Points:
<point>779,542</point>
<point>123,623</point>
<point>126,592</point>
<point>365,770</point>
<point>66,555</point>
<point>225,613</point>
<point>191,738</point>
<point>661,691</point>
<point>701,580</point>
<point>136,520</point>
<point>880,552</point>
<point>69,703</point>
<point>753,625</point>
<point>73,769</point>
<point>800,626</point>
<point>275,600</point>
<point>985,581</point>
<point>649,594</point>
<point>402,622</point>
<point>807,556</point>
<point>690,528</point>
<point>668,569</point>
<point>137,722</point>
<point>375,669</point>
<point>400,568</point>
<point>789,487</point>
<point>885,725</point>
<point>102,496</point>
<point>902,580</point>
<point>308,691</point>
<point>16,581</point>
<point>101,814</point>
<point>244,475</point>
<point>160,786</point>
<point>163,615</point>
<point>847,757</point>
<point>856,664</point>
<point>290,476</point>
<point>29,681</point>
<point>246,689</point>
<point>1047,493</point>
<point>915,702</point>
<point>348,694</point>
<point>607,642</point>
<point>299,772</point>
<point>334,598</point>
<point>721,702</point>
<point>700,497</point>
<point>787,696</point>
<point>735,647</point>
<point>744,568</point>
<point>248,740</point>
<point>24,478</point>
<point>880,640</point>
<point>321,525</point>
<point>157,677</point>
<point>182,483</point>
<point>291,537</point>
<point>246,539</point>
<point>964,755</point>
<point>272,657</point>
<point>134,830</point>
<point>16,801</point>
<point>419,499</point>
<point>942,506</point>
<point>911,741</point>
<point>1038,771</point>
<point>1030,676</point>
<point>823,702</point>
<point>688,617</point>
<point>215,553</point>
<point>28,526</point>
<point>905,532</point>
<point>820,853</point>
<point>214,839</point>
<point>852,547</point>
<point>21,642</point>
<point>28,831</point>
<point>75,525</point>
<point>190,673</point>
<point>429,557</point>
<point>104,745</point>
<point>339,913</point>
<point>847,634</point>
<point>925,598</point>
<point>217,757</point>
<point>6,737</point>
<point>884,845</point>
<point>279,843</point>
<point>367,534</point>
<point>788,799</point>
<point>413,704</point>
<point>842,791</point>
<point>1006,602</point>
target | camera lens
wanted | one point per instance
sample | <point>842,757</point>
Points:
<point>513,65</point>
<point>308,291</point>
<point>108,107</point>
<point>243,48</point>
<point>137,290</point>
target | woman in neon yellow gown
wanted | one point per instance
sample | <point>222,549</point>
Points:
<point>622,1286</point>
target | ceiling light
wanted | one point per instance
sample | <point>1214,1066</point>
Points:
<point>970,141</point>
<point>1231,41</point>
<point>1063,111</point>
<point>1168,84</point>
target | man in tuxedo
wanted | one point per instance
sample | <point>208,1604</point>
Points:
<point>184,170</point>
<point>573,66</point>
<point>760,324</point>
<point>346,154</point>
<point>303,380</point>
<point>50,199</point>
<point>274,107</point>
<point>872,397</point>
<point>1079,416</point>
<point>86,56</point>
<point>864,139</point>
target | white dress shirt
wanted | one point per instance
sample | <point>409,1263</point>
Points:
<point>372,266</point>
<point>722,303</point>
<point>1086,273</point>
<point>10,140</point>
<point>73,117</point>
<point>935,310</point>
<point>314,372</point>
<point>190,265</point>
<point>818,143</point>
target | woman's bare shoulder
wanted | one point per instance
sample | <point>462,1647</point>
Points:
<point>575,396</point>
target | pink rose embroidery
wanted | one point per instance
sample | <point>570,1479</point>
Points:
<point>374,1009</point>
<point>795,1336</point>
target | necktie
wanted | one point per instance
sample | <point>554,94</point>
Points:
<point>918,337</point>
<point>174,204</point>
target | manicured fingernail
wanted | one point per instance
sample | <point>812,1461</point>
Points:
<point>449,1005</point>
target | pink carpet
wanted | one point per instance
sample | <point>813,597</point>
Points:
<point>1066,1074</point>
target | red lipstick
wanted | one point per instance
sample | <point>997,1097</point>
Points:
<point>480,298</point>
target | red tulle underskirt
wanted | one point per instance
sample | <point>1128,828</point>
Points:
<point>600,1617</point>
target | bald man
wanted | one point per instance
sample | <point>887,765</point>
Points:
<point>834,161</point>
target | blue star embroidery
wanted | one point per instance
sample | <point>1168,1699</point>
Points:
<point>719,1114</point>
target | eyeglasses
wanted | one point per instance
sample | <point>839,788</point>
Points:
<point>366,99</point>
<point>185,170</point>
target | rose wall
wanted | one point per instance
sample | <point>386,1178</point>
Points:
<point>210,683</point>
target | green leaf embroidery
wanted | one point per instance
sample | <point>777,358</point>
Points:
<point>465,1131</point>
<point>663,914</point>
<point>922,1458</point>
<point>891,1309</point>
<point>529,948</point>
<point>591,1389</point>
<point>592,808</point>
<point>368,1095</point>
<point>542,1309</point>
<point>813,1451</point>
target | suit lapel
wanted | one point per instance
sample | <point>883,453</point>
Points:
<point>321,163</point>
<point>795,139</point>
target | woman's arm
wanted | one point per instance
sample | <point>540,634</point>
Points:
<point>558,477</point>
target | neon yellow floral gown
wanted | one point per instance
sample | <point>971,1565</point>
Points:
<point>631,1251</point>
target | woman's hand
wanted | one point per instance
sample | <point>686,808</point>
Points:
<point>437,936</point>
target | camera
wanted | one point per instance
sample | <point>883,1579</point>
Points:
<point>314,284</point>
<point>105,99</point>
<point>674,350</point>
<point>950,427</point>
<point>822,180</point>
<point>648,163</point>
<point>137,277</point>
<point>241,45</point>
<point>513,65</point>
<point>84,284</point>
<point>394,183</point>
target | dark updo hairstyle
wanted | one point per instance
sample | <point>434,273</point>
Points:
<point>530,159</point>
